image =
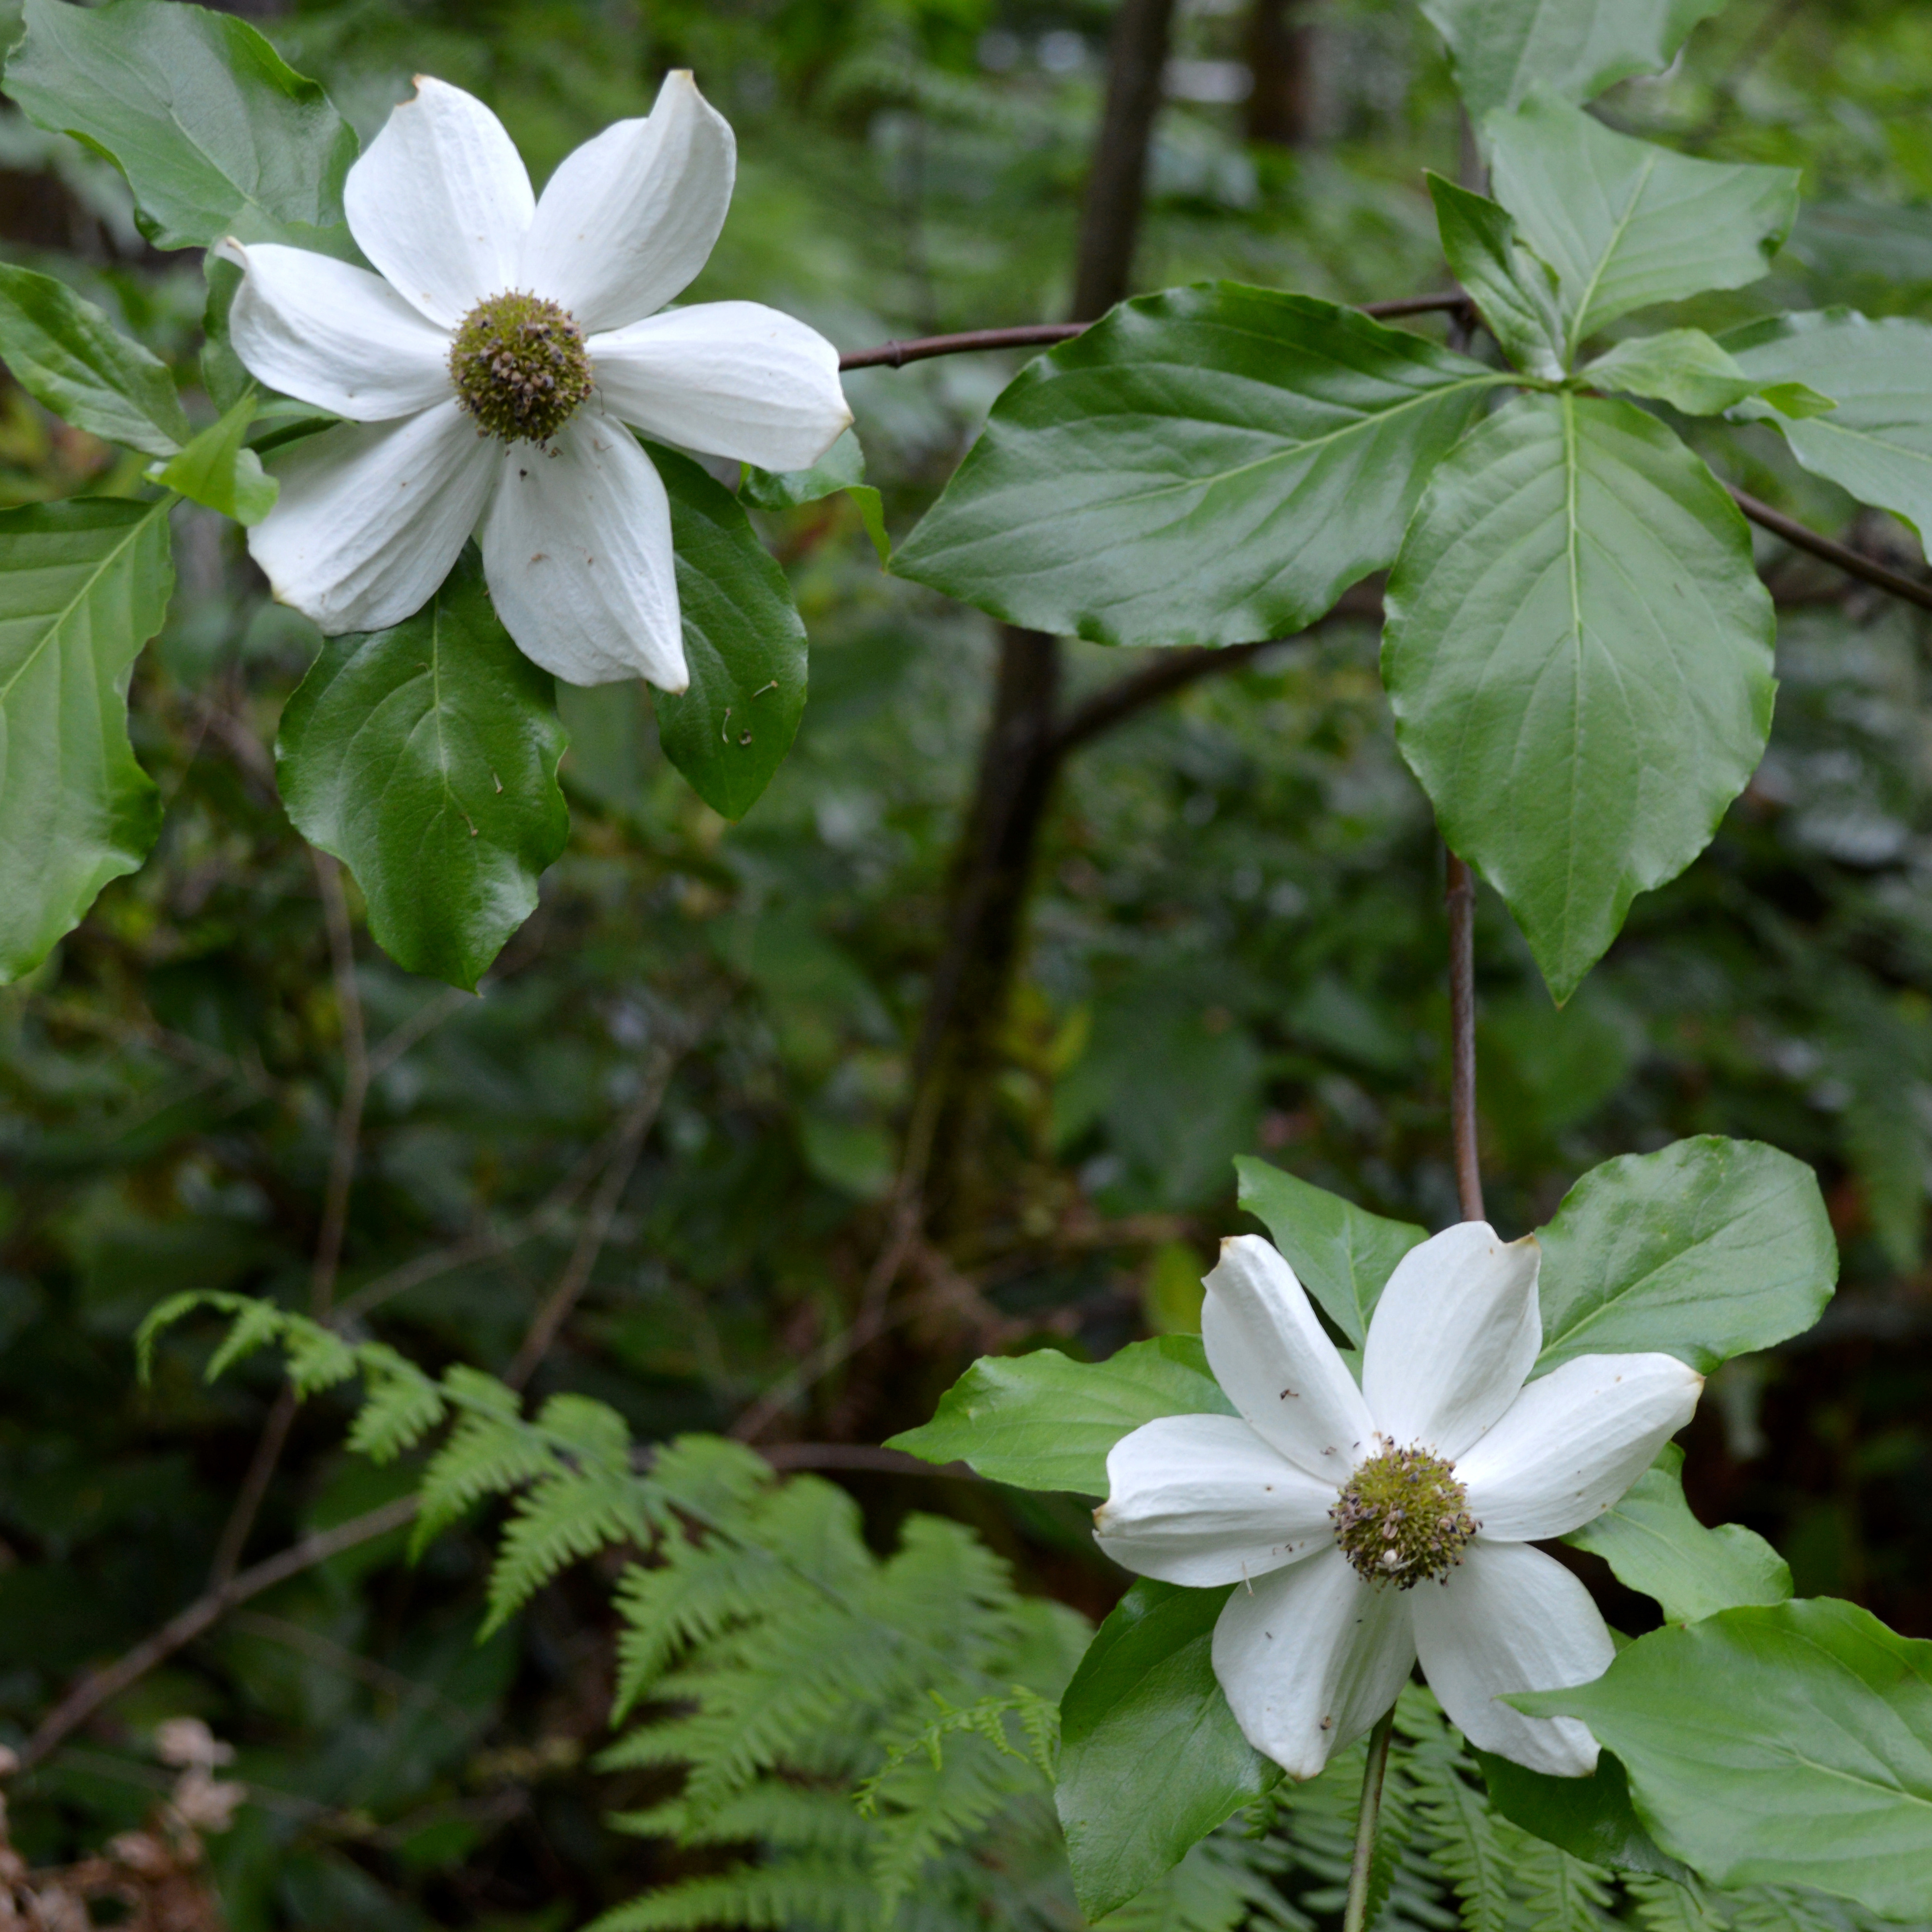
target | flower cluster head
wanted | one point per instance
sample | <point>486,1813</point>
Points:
<point>1368,1525</point>
<point>491,370</point>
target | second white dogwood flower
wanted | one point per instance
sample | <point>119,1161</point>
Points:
<point>488,369</point>
<point>1367,1524</point>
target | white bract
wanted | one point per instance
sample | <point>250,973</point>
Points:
<point>1369,1524</point>
<point>488,369</point>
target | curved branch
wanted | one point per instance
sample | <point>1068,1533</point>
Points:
<point>1801,536</point>
<point>1044,334</point>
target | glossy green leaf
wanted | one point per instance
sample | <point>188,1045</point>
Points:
<point>1044,1421</point>
<point>65,353</point>
<point>215,132</point>
<point>1654,1543</point>
<point>1877,443</point>
<point>1785,1745</point>
<point>1691,372</point>
<point>1151,1759</point>
<point>1505,50</point>
<point>1213,465</point>
<point>218,469</point>
<point>1578,655</point>
<point>1708,1248</point>
<point>83,586</point>
<point>424,757</point>
<point>1591,1818</point>
<point>1513,286</point>
<point>1342,1254</point>
<point>743,640</point>
<point>1625,223</point>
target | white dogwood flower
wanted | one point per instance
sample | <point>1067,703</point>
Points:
<point>1369,1524</point>
<point>488,368</point>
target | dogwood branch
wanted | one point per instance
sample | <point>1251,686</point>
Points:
<point>1460,895</point>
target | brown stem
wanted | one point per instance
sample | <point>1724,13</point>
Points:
<point>1800,536</point>
<point>1110,218</point>
<point>1044,334</point>
<point>1461,897</point>
<point>102,1686</point>
<point>247,1503</point>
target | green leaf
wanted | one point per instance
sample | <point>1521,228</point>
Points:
<point>218,470</point>
<point>1877,443</point>
<point>1590,1818</point>
<point>1214,465</point>
<point>1625,223</point>
<point>1342,1254</point>
<point>1685,368</point>
<point>65,353</point>
<point>1708,1248</point>
<point>83,586</point>
<point>838,469</point>
<point>1151,1759</point>
<point>1504,50</point>
<point>1579,656</point>
<point>1044,1421</point>
<point>216,134</point>
<point>424,757</point>
<point>872,508</point>
<point>1785,1745</point>
<point>1654,1544</point>
<point>1514,288</point>
<point>743,640</point>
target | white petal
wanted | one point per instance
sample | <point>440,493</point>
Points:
<point>1574,1441</point>
<point>576,551</point>
<point>1511,1619</point>
<point>1310,1658</point>
<point>730,378</point>
<point>439,203</point>
<point>627,221</point>
<point>1201,1500</point>
<point>328,333</point>
<point>1452,1338</point>
<point>1268,1351</point>
<point>372,515</point>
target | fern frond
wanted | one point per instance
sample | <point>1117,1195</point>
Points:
<point>400,1405</point>
<point>1468,1851</point>
<point>561,1520</point>
<point>827,1894</point>
<point>1560,1894</point>
<point>1223,1883</point>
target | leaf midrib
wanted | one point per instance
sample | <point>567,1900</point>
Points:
<point>1617,231</point>
<point>58,622</point>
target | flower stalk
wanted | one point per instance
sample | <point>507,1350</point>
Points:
<point>1368,1821</point>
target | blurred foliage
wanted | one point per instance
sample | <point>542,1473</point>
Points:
<point>1236,946</point>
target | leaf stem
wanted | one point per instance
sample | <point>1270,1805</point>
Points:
<point>1355,1914</point>
<point>1460,895</point>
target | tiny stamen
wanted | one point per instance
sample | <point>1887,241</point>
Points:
<point>520,367</point>
<point>1403,1516</point>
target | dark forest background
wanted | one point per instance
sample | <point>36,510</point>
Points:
<point>1054,959</point>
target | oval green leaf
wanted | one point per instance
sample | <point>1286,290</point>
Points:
<point>1214,465</point>
<point>424,757</point>
<point>1708,1248</point>
<point>216,134</point>
<point>743,642</point>
<point>65,353</point>
<point>1044,1421</point>
<point>83,586</point>
<point>1579,656</point>
<point>1151,1759</point>
<point>1625,223</point>
<point>218,470</point>
<point>1785,1745</point>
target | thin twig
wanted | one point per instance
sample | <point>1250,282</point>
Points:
<point>1800,536</point>
<point>102,1686</point>
<point>556,1310</point>
<point>1461,898</point>
<point>1044,334</point>
<point>248,1498</point>
<point>1355,1913</point>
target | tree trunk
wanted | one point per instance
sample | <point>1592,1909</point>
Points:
<point>1281,56</point>
<point>1117,186</point>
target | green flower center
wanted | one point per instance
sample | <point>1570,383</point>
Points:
<point>1403,1516</point>
<point>520,367</point>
